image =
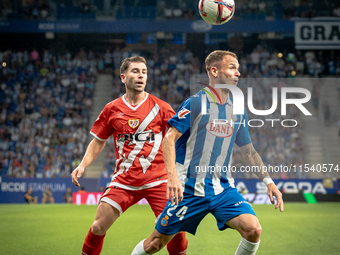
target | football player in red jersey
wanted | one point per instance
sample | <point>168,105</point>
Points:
<point>138,123</point>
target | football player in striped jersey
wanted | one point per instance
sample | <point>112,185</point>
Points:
<point>197,148</point>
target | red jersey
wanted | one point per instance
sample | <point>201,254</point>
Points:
<point>138,133</point>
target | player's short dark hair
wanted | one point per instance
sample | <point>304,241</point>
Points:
<point>126,62</point>
<point>215,57</point>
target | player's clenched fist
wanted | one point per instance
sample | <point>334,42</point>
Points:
<point>76,174</point>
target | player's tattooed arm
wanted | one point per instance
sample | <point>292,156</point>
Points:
<point>254,160</point>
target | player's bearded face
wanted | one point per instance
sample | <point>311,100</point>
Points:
<point>228,72</point>
<point>135,77</point>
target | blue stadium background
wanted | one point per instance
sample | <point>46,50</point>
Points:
<point>60,62</point>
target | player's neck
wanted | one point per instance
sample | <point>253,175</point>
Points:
<point>134,98</point>
<point>224,95</point>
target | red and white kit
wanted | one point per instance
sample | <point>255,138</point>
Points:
<point>138,132</point>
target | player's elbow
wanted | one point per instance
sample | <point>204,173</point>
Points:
<point>167,143</point>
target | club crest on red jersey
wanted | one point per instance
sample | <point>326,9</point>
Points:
<point>133,123</point>
<point>182,113</point>
<point>106,191</point>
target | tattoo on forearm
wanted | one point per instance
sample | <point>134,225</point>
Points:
<point>254,160</point>
<point>258,162</point>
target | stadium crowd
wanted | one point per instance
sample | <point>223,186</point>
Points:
<point>45,108</point>
<point>151,9</point>
<point>46,102</point>
<point>169,77</point>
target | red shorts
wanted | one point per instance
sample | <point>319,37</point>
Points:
<point>122,199</point>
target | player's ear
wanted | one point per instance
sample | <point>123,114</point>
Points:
<point>122,77</point>
<point>214,71</point>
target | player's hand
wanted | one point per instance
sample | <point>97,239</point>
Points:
<point>76,174</point>
<point>274,192</point>
<point>174,190</point>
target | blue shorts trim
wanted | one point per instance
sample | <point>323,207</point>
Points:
<point>189,213</point>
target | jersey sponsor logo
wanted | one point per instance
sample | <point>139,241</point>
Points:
<point>133,123</point>
<point>126,161</point>
<point>164,221</point>
<point>138,137</point>
<point>182,113</point>
<point>219,128</point>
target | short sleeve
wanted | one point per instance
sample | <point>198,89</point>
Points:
<point>168,113</point>
<point>181,120</point>
<point>101,129</point>
<point>242,136</point>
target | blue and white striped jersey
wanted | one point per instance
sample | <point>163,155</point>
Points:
<point>204,151</point>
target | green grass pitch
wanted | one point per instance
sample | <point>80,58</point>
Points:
<point>60,229</point>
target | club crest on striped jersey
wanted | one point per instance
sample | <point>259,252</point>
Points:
<point>182,113</point>
<point>233,116</point>
<point>133,123</point>
<point>219,128</point>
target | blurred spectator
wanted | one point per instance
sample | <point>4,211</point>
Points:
<point>34,55</point>
<point>326,113</point>
<point>315,98</point>
<point>338,124</point>
<point>68,197</point>
<point>85,7</point>
<point>336,11</point>
<point>47,196</point>
<point>339,85</point>
<point>104,173</point>
<point>29,197</point>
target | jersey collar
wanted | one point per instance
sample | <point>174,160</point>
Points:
<point>216,99</point>
<point>135,108</point>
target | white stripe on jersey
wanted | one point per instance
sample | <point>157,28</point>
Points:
<point>128,161</point>
<point>212,156</point>
<point>221,158</point>
<point>183,169</point>
<point>146,162</point>
<point>206,153</point>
